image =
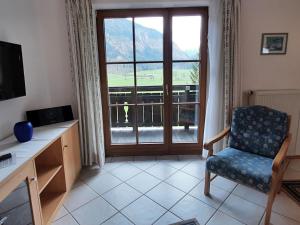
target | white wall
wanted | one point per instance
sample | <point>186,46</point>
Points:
<point>273,71</point>
<point>40,27</point>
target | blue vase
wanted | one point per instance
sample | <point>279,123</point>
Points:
<point>23,131</point>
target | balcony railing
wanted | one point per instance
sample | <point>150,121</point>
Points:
<point>149,107</point>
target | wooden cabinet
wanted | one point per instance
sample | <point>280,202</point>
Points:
<point>27,174</point>
<point>49,171</point>
<point>51,179</point>
<point>71,155</point>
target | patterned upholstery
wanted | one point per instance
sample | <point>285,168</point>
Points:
<point>257,133</point>
<point>258,129</point>
<point>243,167</point>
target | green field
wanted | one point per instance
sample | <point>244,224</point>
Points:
<point>149,78</point>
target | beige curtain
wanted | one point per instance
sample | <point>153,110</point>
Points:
<point>214,119</point>
<point>81,24</point>
<point>224,87</point>
<point>231,42</point>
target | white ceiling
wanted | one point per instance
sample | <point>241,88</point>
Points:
<point>128,4</point>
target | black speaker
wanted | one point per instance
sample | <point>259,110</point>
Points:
<point>48,116</point>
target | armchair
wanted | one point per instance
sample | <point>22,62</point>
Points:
<point>255,156</point>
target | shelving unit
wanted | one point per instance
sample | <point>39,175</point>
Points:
<point>45,175</point>
<point>50,179</point>
<point>49,204</point>
<point>50,164</point>
<point>52,196</point>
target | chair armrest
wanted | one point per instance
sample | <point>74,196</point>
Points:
<point>281,155</point>
<point>209,145</point>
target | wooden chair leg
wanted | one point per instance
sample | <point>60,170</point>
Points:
<point>271,198</point>
<point>207,182</point>
<point>279,187</point>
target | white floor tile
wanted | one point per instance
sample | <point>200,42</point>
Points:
<point>196,169</point>
<point>251,195</point>
<point>125,172</point>
<point>91,172</point>
<point>108,159</point>
<point>118,219</point>
<point>144,165</point>
<point>191,158</point>
<point>165,195</point>
<point>224,183</point>
<point>102,183</point>
<point>121,196</point>
<point>277,219</point>
<point>109,166</point>
<point>143,211</point>
<point>222,219</point>
<point>61,213</point>
<point>215,199</point>
<point>68,219</point>
<point>144,162</point>
<point>176,164</point>
<point>122,159</point>
<point>77,183</point>
<point>244,205</point>
<point>182,181</point>
<point>286,206</point>
<point>190,207</point>
<point>144,158</point>
<point>94,213</point>
<point>166,158</point>
<point>79,196</point>
<point>244,211</point>
<point>167,218</point>
<point>143,182</point>
<point>173,161</point>
<point>161,171</point>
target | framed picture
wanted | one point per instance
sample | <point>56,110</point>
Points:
<point>273,43</point>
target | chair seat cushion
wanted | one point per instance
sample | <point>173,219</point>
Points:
<point>243,167</point>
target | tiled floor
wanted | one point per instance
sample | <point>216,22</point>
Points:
<point>164,190</point>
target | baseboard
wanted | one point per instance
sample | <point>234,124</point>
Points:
<point>293,157</point>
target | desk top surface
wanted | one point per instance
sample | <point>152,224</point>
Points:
<point>42,137</point>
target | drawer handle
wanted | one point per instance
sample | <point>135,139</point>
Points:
<point>33,179</point>
<point>66,146</point>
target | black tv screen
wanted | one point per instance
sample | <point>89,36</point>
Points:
<point>12,82</point>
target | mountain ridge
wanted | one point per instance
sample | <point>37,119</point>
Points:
<point>148,42</point>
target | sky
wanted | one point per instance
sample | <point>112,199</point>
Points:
<point>186,29</point>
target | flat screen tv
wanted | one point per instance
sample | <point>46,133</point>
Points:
<point>12,82</point>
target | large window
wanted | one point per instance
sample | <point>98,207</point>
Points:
<point>153,78</point>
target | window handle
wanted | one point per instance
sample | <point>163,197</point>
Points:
<point>167,89</point>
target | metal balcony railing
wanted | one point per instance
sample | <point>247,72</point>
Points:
<point>149,107</point>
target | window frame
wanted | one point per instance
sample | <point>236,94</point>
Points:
<point>167,147</point>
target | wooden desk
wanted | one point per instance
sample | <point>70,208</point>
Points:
<point>49,163</point>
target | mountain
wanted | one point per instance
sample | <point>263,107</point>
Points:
<point>118,35</point>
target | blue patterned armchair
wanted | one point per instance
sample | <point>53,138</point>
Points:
<point>255,156</point>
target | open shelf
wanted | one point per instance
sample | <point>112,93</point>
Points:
<point>50,179</point>
<point>53,193</point>
<point>45,175</point>
<point>50,202</point>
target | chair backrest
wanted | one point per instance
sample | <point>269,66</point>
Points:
<point>258,129</point>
